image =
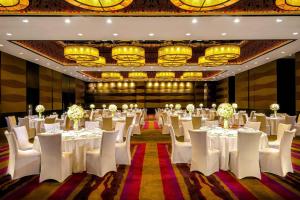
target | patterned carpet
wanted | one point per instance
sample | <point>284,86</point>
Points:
<point>152,176</point>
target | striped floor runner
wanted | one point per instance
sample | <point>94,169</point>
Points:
<point>152,176</point>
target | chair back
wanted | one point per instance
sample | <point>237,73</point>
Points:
<point>212,115</point>
<point>128,122</point>
<point>187,125</point>
<point>12,144</point>
<point>138,116</point>
<point>175,124</point>
<point>254,125</point>
<point>245,118</point>
<point>173,136</point>
<point>68,123</point>
<point>196,121</point>
<point>281,129</point>
<point>286,143</point>
<point>199,144</point>
<point>50,120</point>
<point>248,147</point>
<point>51,154</point>
<point>11,122</point>
<point>22,137</point>
<point>252,115</point>
<point>90,125</point>
<point>263,122</point>
<point>107,123</point>
<point>165,118</point>
<point>52,128</point>
<point>128,137</point>
<point>120,131</point>
<point>290,120</point>
<point>107,148</point>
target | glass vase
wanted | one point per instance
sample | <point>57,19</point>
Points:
<point>226,124</point>
<point>75,125</point>
<point>275,113</point>
<point>40,115</point>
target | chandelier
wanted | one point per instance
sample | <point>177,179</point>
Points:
<point>101,5</point>
<point>192,75</point>
<point>165,75</point>
<point>13,4</point>
<point>136,63</point>
<point>288,4</point>
<point>111,75</point>
<point>202,61</point>
<point>202,5</point>
<point>174,63</point>
<point>175,53</point>
<point>222,52</point>
<point>128,53</point>
<point>81,53</point>
<point>100,62</point>
<point>137,75</point>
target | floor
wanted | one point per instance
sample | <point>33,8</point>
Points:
<point>152,176</point>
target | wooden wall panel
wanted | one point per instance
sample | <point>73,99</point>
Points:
<point>222,91</point>
<point>45,80</point>
<point>298,81</point>
<point>13,84</point>
<point>241,90</point>
<point>57,90</point>
<point>79,91</point>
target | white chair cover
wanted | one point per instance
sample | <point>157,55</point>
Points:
<point>137,120</point>
<point>187,125</point>
<point>22,138</point>
<point>56,165</point>
<point>254,125</point>
<point>21,163</point>
<point>119,127</point>
<point>280,131</point>
<point>11,122</point>
<point>90,125</point>
<point>245,161</point>
<point>52,128</point>
<point>204,160</point>
<point>123,155</point>
<point>103,160</point>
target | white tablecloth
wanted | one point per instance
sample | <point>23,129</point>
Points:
<point>77,143</point>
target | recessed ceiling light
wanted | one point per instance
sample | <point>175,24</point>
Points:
<point>151,34</point>
<point>57,67</point>
<point>108,21</point>
<point>283,52</point>
<point>80,34</point>
<point>115,34</point>
<point>48,64</point>
<point>267,58</point>
<point>236,20</point>
<point>188,34</point>
<point>1,45</point>
<point>223,34</point>
<point>21,53</point>
<point>8,34</point>
<point>194,21</point>
<point>255,63</point>
<point>295,33</point>
<point>278,20</point>
<point>36,59</point>
<point>25,20</point>
<point>67,21</point>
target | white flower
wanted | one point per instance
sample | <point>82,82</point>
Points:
<point>225,110</point>
<point>75,112</point>
<point>92,106</point>
<point>177,106</point>
<point>135,105</point>
<point>103,106</point>
<point>274,107</point>
<point>131,105</point>
<point>39,108</point>
<point>167,106</point>
<point>201,105</point>
<point>214,105</point>
<point>112,108</point>
<point>124,106</point>
<point>190,107</point>
<point>234,106</point>
<point>171,105</point>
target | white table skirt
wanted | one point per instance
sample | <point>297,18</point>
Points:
<point>78,146</point>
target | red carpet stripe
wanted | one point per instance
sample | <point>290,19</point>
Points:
<point>4,158</point>
<point>146,125</point>
<point>132,185</point>
<point>276,187</point>
<point>239,190</point>
<point>171,187</point>
<point>4,148</point>
<point>156,126</point>
<point>3,171</point>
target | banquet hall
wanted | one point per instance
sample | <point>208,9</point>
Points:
<point>153,99</point>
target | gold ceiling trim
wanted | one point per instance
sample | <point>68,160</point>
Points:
<point>165,75</point>
<point>101,5</point>
<point>137,75</point>
<point>11,5</point>
<point>174,63</point>
<point>192,75</point>
<point>136,63</point>
<point>81,53</point>
<point>111,76</point>
<point>202,5</point>
<point>290,5</point>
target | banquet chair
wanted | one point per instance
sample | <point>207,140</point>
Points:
<point>136,126</point>
<point>204,159</point>
<point>11,122</point>
<point>67,123</point>
<point>196,121</point>
<point>55,164</point>
<point>278,161</point>
<point>253,125</point>
<point>245,118</point>
<point>128,122</point>
<point>123,155</point>
<point>52,128</point>
<point>244,162</point>
<point>212,115</point>
<point>50,120</point>
<point>187,125</point>
<point>264,127</point>
<point>22,138</point>
<point>103,160</point>
<point>280,131</point>
<point>25,122</point>
<point>165,123</point>
<point>177,128</point>
<point>90,125</point>
<point>211,123</point>
<point>120,128</point>
<point>181,151</point>
<point>107,123</point>
<point>252,115</point>
<point>21,162</point>
<point>290,120</point>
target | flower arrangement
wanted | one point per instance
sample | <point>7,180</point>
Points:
<point>190,108</point>
<point>131,106</point>
<point>167,105</point>
<point>234,106</point>
<point>225,110</point>
<point>135,106</point>
<point>201,105</point>
<point>274,107</point>
<point>177,106</point>
<point>214,106</point>
<point>75,113</point>
<point>103,106</point>
<point>171,106</point>
<point>92,106</point>
<point>112,108</point>
<point>124,107</point>
<point>40,109</point>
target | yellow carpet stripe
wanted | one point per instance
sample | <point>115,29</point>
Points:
<point>232,195</point>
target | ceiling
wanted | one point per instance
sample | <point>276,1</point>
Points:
<point>279,35</point>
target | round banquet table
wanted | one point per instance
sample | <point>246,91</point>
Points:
<point>226,141</point>
<point>78,143</point>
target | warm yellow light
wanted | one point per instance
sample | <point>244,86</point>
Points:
<point>191,75</point>
<point>125,85</point>
<point>13,4</point>
<point>202,5</point>
<point>112,85</point>
<point>222,52</point>
<point>156,84</point>
<point>137,75</point>
<point>175,85</point>
<point>149,84</point>
<point>132,85</point>
<point>288,4</point>
<point>119,85</point>
<point>92,85</point>
<point>162,84</point>
<point>174,63</point>
<point>181,85</point>
<point>169,85</point>
<point>81,53</point>
<point>100,62</point>
<point>165,75</point>
<point>101,5</point>
<point>105,85</point>
<point>99,85</point>
<point>136,63</point>
<point>202,61</point>
<point>128,53</point>
<point>175,53</point>
<point>111,75</point>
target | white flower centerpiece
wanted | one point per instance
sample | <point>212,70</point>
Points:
<point>103,106</point>
<point>92,107</point>
<point>234,106</point>
<point>274,107</point>
<point>112,108</point>
<point>124,107</point>
<point>201,105</point>
<point>177,106</point>
<point>75,113</point>
<point>167,106</point>
<point>131,106</point>
<point>40,109</point>
<point>214,106</point>
<point>171,106</point>
<point>135,106</point>
<point>190,108</point>
<point>225,110</point>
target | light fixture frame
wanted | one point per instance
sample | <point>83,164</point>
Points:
<point>185,6</point>
<point>117,6</point>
